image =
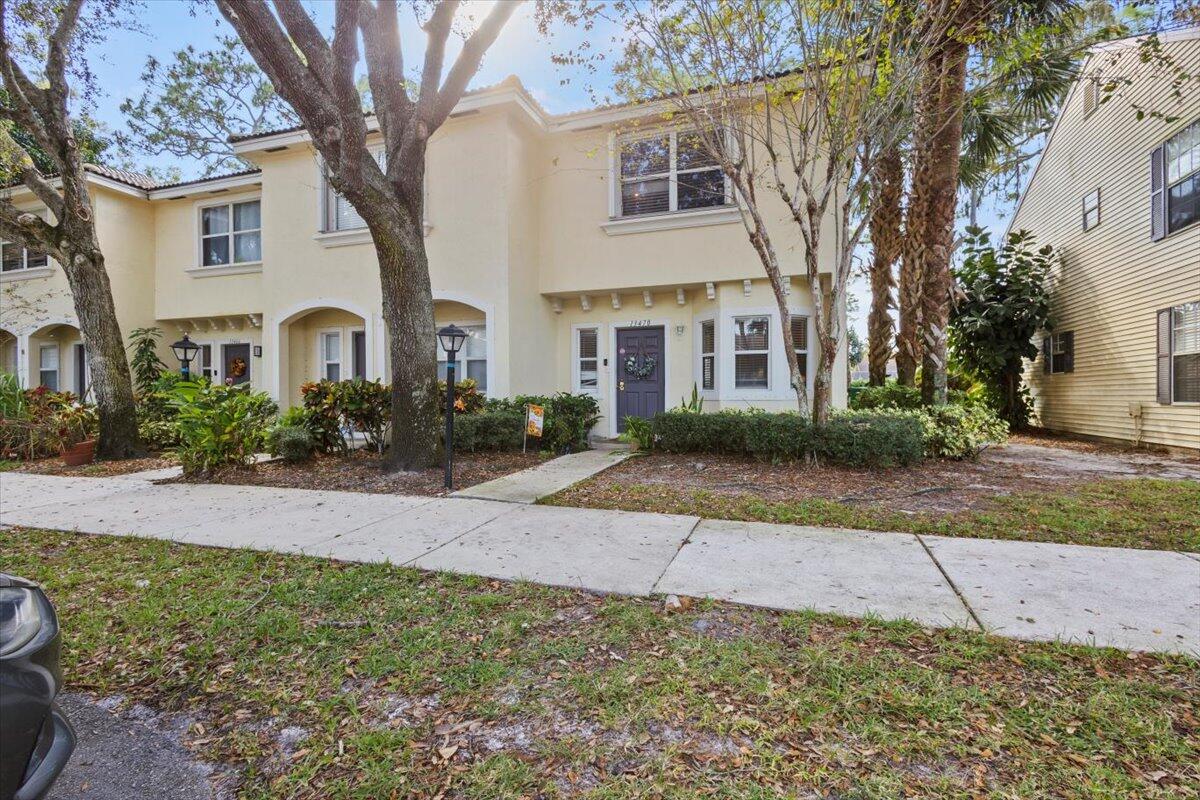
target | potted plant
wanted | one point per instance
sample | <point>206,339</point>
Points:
<point>76,424</point>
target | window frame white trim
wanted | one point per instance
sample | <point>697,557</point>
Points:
<point>1168,184</point>
<point>698,364</point>
<point>777,388</point>
<point>321,361</point>
<point>616,217</point>
<point>462,359</point>
<point>350,331</point>
<point>576,371</point>
<point>58,370</point>
<point>1175,353</point>
<point>764,352</point>
<point>1099,216</point>
<point>198,269</point>
<point>807,351</point>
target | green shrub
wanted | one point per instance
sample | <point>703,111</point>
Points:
<point>890,395</point>
<point>494,429</point>
<point>220,425</point>
<point>881,438</point>
<point>366,407</point>
<point>467,398</point>
<point>158,434</point>
<point>959,432</point>
<point>12,397</point>
<point>569,418</point>
<point>292,443</point>
<point>143,358</point>
<point>684,432</point>
<point>778,437</point>
<point>640,432</point>
<point>323,417</point>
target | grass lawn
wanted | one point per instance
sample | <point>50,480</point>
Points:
<point>405,684</point>
<point>1146,513</point>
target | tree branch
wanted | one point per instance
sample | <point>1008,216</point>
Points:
<point>467,64</point>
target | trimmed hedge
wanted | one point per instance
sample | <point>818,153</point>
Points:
<point>885,437</point>
<point>498,429</point>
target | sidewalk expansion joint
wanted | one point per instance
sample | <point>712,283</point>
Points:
<point>470,530</point>
<point>950,581</point>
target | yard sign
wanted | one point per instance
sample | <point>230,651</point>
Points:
<point>534,418</point>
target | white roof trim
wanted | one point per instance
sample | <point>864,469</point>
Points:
<point>204,187</point>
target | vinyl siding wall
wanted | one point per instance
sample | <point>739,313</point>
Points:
<point>1114,278</point>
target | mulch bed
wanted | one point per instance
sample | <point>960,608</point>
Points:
<point>99,469</point>
<point>932,486</point>
<point>362,471</point>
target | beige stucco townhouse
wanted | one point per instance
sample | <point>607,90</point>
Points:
<point>1119,198</point>
<point>588,252</point>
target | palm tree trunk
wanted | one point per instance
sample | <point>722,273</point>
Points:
<point>941,182</point>
<point>886,240</point>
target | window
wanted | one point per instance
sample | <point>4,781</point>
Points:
<point>800,342</point>
<point>708,354</point>
<point>1091,210</point>
<point>339,214</point>
<point>206,362</point>
<point>231,234</point>
<point>751,352</point>
<point>48,366</point>
<point>1179,354</point>
<point>1058,352</point>
<point>358,361</point>
<point>1175,182</point>
<point>472,358</point>
<point>668,172</point>
<point>589,360</point>
<point>14,257</point>
<point>1091,95</point>
<point>331,355</point>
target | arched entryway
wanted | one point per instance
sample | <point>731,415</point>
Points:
<point>10,352</point>
<point>55,358</point>
<point>477,358</point>
<point>322,339</point>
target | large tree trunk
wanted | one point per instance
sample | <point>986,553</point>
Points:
<point>108,365</point>
<point>941,182</point>
<point>412,342</point>
<point>886,241</point>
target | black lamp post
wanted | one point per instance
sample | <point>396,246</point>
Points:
<point>451,338</point>
<point>185,350</point>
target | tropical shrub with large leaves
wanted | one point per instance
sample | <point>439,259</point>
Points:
<point>1002,300</point>
<point>144,360</point>
<point>220,426</point>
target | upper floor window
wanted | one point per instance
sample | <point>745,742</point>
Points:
<point>339,214</point>
<point>14,257</point>
<point>1091,210</point>
<point>1175,182</point>
<point>667,172</point>
<point>231,233</point>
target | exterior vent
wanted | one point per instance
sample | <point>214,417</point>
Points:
<point>1091,95</point>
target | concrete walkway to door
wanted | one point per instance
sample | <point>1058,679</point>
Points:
<point>1133,599</point>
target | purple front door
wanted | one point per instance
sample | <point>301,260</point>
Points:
<point>641,379</point>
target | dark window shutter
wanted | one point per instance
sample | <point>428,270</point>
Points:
<point>1158,194</point>
<point>1164,356</point>
<point>1046,350</point>
<point>1069,351</point>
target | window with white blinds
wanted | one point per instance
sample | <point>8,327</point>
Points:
<point>331,355</point>
<point>48,366</point>
<point>1185,353</point>
<point>751,352</point>
<point>589,359</point>
<point>708,354</point>
<point>339,214</point>
<point>800,342</point>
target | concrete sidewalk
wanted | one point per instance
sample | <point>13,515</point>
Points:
<point>531,485</point>
<point>1133,599</point>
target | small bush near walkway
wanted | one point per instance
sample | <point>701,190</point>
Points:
<point>220,426</point>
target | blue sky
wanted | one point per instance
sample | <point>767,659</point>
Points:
<point>170,25</point>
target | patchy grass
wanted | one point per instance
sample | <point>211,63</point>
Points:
<point>1145,513</point>
<point>405,684</point>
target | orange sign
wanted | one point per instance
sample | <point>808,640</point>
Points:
<point>534,417</point>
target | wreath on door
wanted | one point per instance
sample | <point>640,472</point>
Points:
<point>640,370</point>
